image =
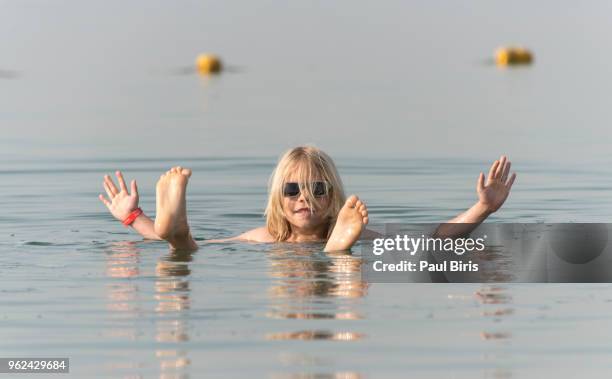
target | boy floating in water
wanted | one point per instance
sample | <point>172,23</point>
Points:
<point>306,203</point>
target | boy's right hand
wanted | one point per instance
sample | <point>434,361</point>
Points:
<point>120,203</point>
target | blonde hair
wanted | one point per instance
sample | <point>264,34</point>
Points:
<point>309,164</point>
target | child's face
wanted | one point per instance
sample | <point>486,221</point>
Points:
<point>300,214</point>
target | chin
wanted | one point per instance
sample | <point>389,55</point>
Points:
<point>302,224</point>
<point>305,224</point>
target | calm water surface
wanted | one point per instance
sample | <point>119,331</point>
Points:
<point>75,283</point>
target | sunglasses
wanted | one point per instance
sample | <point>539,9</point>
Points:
<point>318,189</point>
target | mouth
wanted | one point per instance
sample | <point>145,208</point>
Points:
<point>304,210</point>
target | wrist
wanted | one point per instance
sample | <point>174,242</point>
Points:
<point>139,220</point>
<point>131,218</point>
<point>483,208</point>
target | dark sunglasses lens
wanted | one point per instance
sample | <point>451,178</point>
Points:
<point>319,189</point>
<point>291,189</point>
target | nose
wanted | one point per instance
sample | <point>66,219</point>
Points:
<point>301,198</point>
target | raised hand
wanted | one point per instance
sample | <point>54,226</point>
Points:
<point>491,196</point>
<point>120,203</point>
<point>494,193</point>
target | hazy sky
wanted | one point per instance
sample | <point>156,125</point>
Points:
<point>400,78</point>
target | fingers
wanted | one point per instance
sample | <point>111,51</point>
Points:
<point>121,181</point>
<point>109,192</point>
<point>511,181</point>
<point>500,167</point>
<point>104,201</point>
<point>109,186</point>
<point>492,171</point>
<point>134,187</point>
<point>480,184</point>
<point>506,171</point>
<point>499,170</point>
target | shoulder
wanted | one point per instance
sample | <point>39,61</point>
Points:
<point>257,235</point>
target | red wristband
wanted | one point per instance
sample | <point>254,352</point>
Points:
<point>129,220</point>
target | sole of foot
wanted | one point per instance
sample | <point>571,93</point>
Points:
<point>351,221</point>
<point>171,212</point>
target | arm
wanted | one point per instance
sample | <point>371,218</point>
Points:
<point>491,196</point>
<point>120,204</point>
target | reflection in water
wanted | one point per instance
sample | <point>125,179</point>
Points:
<point>498,312</point>
<point>495,336</point>
<point>316,316</point>
<point>498,263</point>
<point>312,285</point>
<point>122,260</point>
<point>494,297</point>
<point>335,375</point>
<point>172,294</point>
<point>309,335</point>
<point>123,302</point>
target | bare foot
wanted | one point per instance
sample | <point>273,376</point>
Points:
<point>171,214</point>
<point>351,221</point>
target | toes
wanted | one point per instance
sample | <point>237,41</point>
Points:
<point>351,201</point>
<point>362,208</point>
<point>180,171</point>
<point>366,219</point>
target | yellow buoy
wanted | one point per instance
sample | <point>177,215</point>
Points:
<point>505,56</point>
<point>208,64</point>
